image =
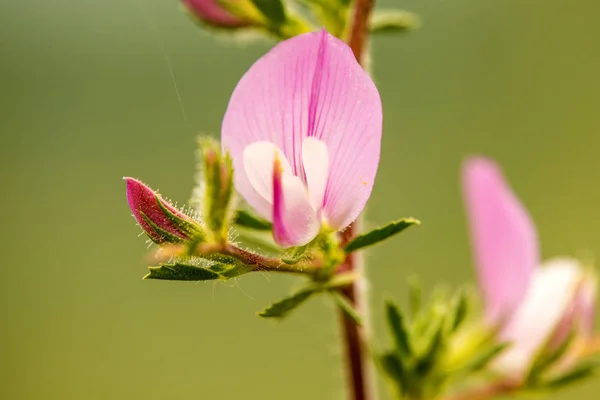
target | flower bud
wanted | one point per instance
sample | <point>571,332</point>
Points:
<point>213,13</point>
<point>217,185</point>
<point>159,220</point>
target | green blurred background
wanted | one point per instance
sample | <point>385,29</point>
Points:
<point>87,97</point>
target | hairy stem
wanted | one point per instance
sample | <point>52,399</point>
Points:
<point>256,261</point>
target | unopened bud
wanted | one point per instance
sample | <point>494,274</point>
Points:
<point>213,13</point>
<point>162,222</point>
<point>217,176</point>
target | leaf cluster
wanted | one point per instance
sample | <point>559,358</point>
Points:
<point>434,345</point>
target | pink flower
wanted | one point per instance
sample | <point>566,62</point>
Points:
<point>303,128</point>
<point>532,304</point>
<point>159,220</point>
<point>211,12</point>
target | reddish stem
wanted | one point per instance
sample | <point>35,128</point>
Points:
<point>358,384</point>
<point>359,32</point>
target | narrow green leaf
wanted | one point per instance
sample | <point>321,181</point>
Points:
<point>181,272</point>
<point>484,357</point>
<point>393,21</point>
<point>345,305</point>
<point>577,374</point>
<point>251,221</point>
<point>379,234</point>
<point>395,370</point>
<point>460,308</point>
<point>283,307</point>
<point>546,358</point>
<point>432,352</point>
<point>398,329</point>
<point>273,10</point>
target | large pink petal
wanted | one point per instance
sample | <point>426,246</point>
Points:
<point>295,222</point>
<point>311,86</point>
<point>503,236</point>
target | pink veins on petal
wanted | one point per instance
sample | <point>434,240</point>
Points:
<point>303,128</point>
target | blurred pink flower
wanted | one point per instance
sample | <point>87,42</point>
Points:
<point>533,305</point>
<point>303,128</point>
<point>211,12</point>
<point>159,220</point>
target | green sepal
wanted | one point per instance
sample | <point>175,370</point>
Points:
<point>166,236</point>
<point>248,220</point>
<point>181,272</point>
<point>189,227</point>
<point>398,329</point>
<point>332,14</point>
<point>273,10</point>
<point>377,235</point>
<point>346,307</point>
<point>216,188</point>
<point>283,307</point>
<point>393,21</point>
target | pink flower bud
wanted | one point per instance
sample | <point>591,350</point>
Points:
<point>159,220</point>
<point>211,12</point>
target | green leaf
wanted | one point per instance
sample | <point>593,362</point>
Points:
<point>379,234</point>
<point>273,10</point>
<point>398,329</point>
<point>393,21</point>
<point>345,305</point>
<point>181,272</point>
<point>247,220</point>
<point>460,309</point>
<point>484,357</point>
<point>547,357</point>
<point>432,352</point>
<point>283,307</point>
<point>577,374</point>
<point>396,371</point>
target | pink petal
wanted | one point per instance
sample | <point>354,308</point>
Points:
<point>503,236</point>
<point>581,314</point>
<point>586,305</point>
<point>311,86</point>
<point>295,223</point>
<point>315,158</point>
<point>258,159</point>
<point>144,201</point>
<point>549,297</point>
